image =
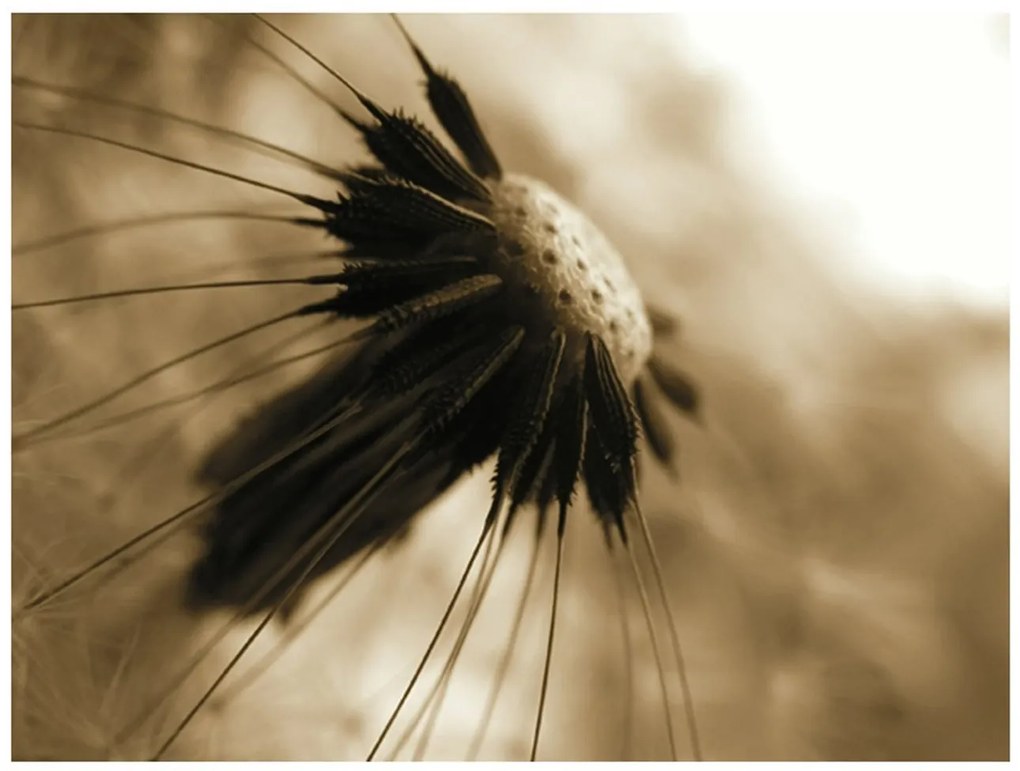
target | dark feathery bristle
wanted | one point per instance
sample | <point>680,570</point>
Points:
<point>399,209</point>
<point>462,388</point>
<point>656,429</point>
<point>408,149</point>
<point>450,105</point>
<point>607,490</point>
<point>420,355</point>
<point>676,386</point>
<point>276,424</point>
<point>568,453</point>
<point>611,439</point>
<point>248,540</point>
<point>532,409</point>
<point>612,413</point>
<point>372,288</point>
<point>358,274</point>
<point>528,485</point>
<point>442,302</point>
<point>453,110</point>
<point>545,484</point>
<point>553,464</point>
<point>477,431</point>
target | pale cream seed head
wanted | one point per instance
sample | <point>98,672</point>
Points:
<point>560,270</point>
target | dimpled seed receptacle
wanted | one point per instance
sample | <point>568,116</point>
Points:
<point>556,264</point>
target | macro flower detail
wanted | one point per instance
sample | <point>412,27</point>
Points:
<point>498,322</point>
<point>521,329</point>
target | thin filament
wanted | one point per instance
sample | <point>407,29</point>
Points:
<point>645,605</point>
<point>187,512</point>
<point>219,386</point>
<point>21,440</point>
<point>504,664</point>
<point>488,570</point>
<point>549,640</point>
<point>692,723</point>
<point>302,198</point>
<point>489,520</point>
<point>150,290</point>
<point>260,144</point>
<point>293,73</point>
<point>336,75</point>
<point>107,228</point>
<point>262,665</point>
<point>349,514</point>
<point>628,665</point>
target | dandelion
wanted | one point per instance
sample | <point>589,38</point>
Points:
<point>493,319</point>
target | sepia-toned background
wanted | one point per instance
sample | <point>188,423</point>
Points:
<point>836,545</point>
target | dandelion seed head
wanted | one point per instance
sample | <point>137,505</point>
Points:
<point>560,268</point>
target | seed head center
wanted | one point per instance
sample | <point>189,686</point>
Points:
<point>560,270</point>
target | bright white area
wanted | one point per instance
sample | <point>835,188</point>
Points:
<point>898,125</point>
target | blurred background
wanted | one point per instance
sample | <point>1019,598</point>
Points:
<point>822,201</point>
